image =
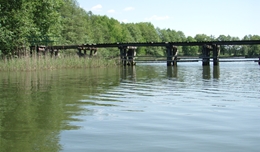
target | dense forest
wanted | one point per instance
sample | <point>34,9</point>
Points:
<point>30,22</point>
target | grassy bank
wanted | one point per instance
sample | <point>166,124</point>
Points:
<point>48,63</point>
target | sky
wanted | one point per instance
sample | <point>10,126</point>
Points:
<point>236,18</point>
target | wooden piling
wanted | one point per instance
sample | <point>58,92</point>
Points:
<point>33,51</point>
<point>54,52</point>
<point>171,52</point>
<point>131,53</point>
<point>41,50</point>
<point>216,51</point>
<point>91,53</point>
<point>169,55</point>
<point>175,53</point>
<point>205,55</point>
<point>123,55</point>
<point>127,55</point>
<point>85,53</point>
<point>79,52</point>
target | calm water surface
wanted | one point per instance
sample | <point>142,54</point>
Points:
<point>145,108</point>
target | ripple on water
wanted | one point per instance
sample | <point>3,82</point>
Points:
<point>157,109</point>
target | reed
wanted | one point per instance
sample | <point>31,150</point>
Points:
<point>48,63</point>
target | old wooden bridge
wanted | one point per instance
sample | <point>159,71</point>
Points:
<point>128,50</point>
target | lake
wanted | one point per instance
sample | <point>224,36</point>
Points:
<point>146,108</point>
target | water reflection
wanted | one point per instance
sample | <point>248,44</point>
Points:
<point>128,73</point>
<point>30,117</point>
<point>206,72</point>
<point>172,71</point>
<point>36,106</point>
<point>102,106</point>
<point>216,72</point>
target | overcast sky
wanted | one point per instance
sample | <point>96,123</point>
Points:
<point>211,17</point>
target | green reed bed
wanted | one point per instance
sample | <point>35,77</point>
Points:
<point>48,63</point>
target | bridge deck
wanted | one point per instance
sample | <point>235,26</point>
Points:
<point>158,44</point>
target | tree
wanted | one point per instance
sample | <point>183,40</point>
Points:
<point>21,19</point>
<point>190,50</point>
<point>253,50</point>
<point>126,34</point>
<point>202,37</point>
<point>163,35</point>
<point>223,48</point>
<point>135,32</point>
<point>76,24</point>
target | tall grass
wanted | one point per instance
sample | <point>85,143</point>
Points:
<point>48,63</point>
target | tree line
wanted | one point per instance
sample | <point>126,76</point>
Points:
<point>62,22</point>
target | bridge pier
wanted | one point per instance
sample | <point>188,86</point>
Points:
<point>175,53</point>
<point>216,52</point>
<point>32,51</point>
<point>54,52</point>
<point>127,55</point>
<point>93,51</point>
<point>80,54</point>
<point>131,53</point>
<point>123,55</point>
<point>205,55</point>
<point>171,52</point>
<point>41,50</point>
<point>168,53</point>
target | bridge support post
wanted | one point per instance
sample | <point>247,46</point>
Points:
<point>93,51</point>
<point>171,52</point>
<point>131,53</point>
<point>79,51</point>
<point>175,53</point>
<point>33,51</point>
<point>85,52</point>
<point>205,55</point>
<point>54,52</point>
<point>169,55</point>
<point>123,54</point>
<point>216,51</point>
<point>41,50</point>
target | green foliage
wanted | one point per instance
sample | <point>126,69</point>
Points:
<point>190,50</point>
<point>64,22</point>
<point>20,19</point>
<point>253,50</point>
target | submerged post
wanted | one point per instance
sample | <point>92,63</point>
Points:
<point>175,53</point>
<point>123,55</point>
<point>131,53</point>
<point>127,55</point>
<point>171,52</point>
<point>205,55</point>
<point>169,55</point>
<point>216,51</point>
